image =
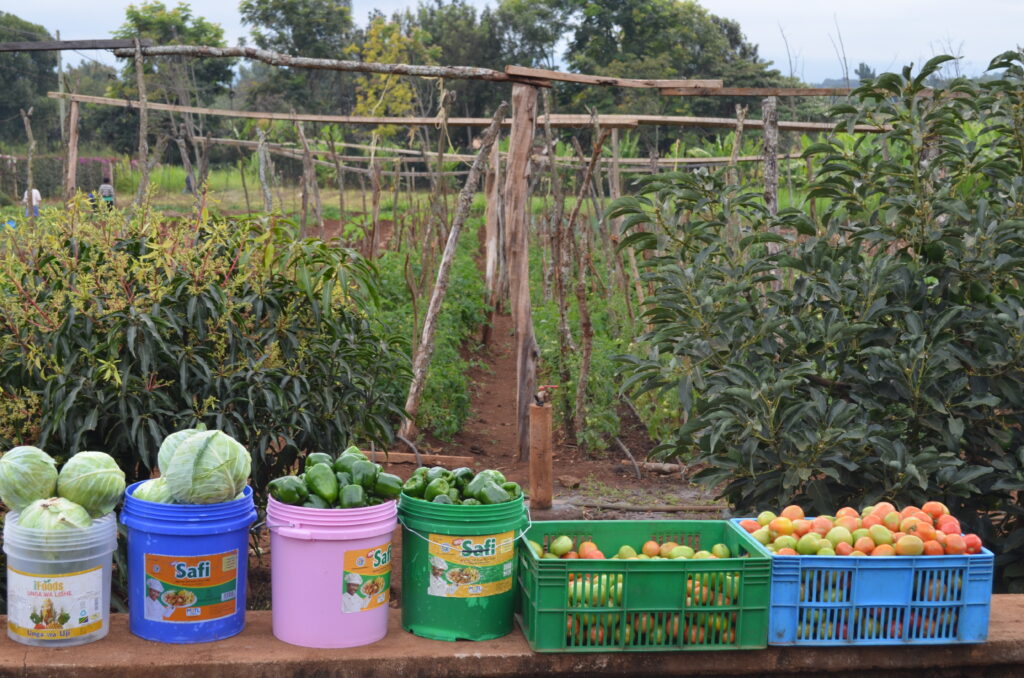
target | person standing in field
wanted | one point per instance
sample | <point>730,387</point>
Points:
<point>106,191</point>
<point>32,209</point>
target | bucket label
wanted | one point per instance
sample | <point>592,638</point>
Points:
<point>367,579</point>
<point>191,588</point>
<point>55,606</point>
<point>471,567</point>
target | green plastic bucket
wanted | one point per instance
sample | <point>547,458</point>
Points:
<point>458,568</point>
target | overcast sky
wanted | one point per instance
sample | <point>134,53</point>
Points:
<point>885,34</point>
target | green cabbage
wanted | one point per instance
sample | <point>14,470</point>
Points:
<point>26,475</point>
<point>55,513</point>
<point>92,480</point>
<point>169,446</point>
<point>205,467</point>
<point>154,490</point>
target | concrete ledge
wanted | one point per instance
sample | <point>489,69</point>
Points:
<point>256,653</point>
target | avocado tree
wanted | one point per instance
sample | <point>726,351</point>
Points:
<point>879,352</point>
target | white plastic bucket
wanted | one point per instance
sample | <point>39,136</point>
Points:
<point>58,582</point>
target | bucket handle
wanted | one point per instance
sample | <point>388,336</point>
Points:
<point>522,534</point>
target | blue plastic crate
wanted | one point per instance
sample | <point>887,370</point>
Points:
<point>901,600</point>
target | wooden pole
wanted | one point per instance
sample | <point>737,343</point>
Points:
<point>263,156</point>
<point>423,354</point>
<point>584,262</point>
<point>540,457</point>
<point>143,126</point>
<point>770,115</point>
<point>71,173</point>
<point>615,192</point>
<point>60,88</point>
<point>517,188</point>
<point>26,118</point>
<point>492,231</point>
<point>375,184</point>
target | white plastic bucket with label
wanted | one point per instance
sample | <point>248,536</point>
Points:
<point>58,582</point>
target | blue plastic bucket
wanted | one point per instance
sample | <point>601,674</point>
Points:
<point>187,567</point>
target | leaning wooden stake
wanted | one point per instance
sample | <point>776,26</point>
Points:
<point>540,456</point>
<point>517,196</point>
<point>71,171</point>
<point>426,345</point>
<point>143,126</point>
<point>26,118</point>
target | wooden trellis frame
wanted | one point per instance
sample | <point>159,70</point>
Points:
<point>522,125</point>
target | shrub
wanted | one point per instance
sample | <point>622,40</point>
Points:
<point>876,351</point>
<point>115,332</point>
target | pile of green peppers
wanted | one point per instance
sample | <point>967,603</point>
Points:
<point>350,481</point>
<point>461,486</point>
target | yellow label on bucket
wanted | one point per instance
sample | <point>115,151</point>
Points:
<point>472,566</point>
<point>190,588</point>
<point>55,606</point>
<point>367,579</point>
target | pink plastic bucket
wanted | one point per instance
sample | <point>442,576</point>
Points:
<point>330,573</point>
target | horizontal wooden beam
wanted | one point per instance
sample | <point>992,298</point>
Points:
<point>756,91</point>
<point>545,74</point>
<point>58,45</point>
<point>288,61</point>
<point>790,125</point>
<point>571,120</point>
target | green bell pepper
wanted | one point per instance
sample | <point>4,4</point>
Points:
<point>316,501</point>
<point>513,489</point>
<point>469,501</point>
<point>462,477</point>
<point>492,493</point>
<point>443,499</point>
<point>439,472</point>
<point>288,490</point>
<point>421,471</point>
<point>387,486</point>
<point>320,480</point>
<point>375,501</point>
<point>352,449</point>
<point>453,494</point>
<point>352,496</point>
<point>345,461</point>
<point>318,458</point>
<point>343,478</point>
<point>436,487</point>
<point>365,473</point>
<point>415,486</point>
<point>474,485</point>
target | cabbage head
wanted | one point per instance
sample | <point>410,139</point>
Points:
<point>92,480</point>
<point>26,475</point>
<point>169,446</point>
<point>206,467</point>
<point>55,513</point>
<point>154,490</point>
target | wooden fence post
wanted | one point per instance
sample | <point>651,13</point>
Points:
<point>71,171</point>
<point>540,456</point>
<point>143,126</point>
<point>770,115</point>
<point>517,189</point>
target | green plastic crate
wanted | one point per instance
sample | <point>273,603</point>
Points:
<point>655,608</point>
